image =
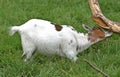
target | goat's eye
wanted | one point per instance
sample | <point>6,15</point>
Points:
<point>90,34</point>
<point>101,36</point>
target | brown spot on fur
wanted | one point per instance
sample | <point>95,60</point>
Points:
<point>71,41</point>
<point>95,34</point>
<point>77,48</point>
<point>57,27</point>
<point>35,25</point>
<point>33,52</point>
<point>60,48</point>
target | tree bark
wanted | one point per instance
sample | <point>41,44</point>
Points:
<point>100,19</point>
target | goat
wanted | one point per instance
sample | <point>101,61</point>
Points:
<point>48,38</point>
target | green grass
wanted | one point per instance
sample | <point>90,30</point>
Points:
<point>105,54</point>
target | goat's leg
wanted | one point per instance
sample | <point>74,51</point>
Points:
<point>28,48</point>
<point>27,55</point>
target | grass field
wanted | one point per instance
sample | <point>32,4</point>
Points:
<point>105,54</point>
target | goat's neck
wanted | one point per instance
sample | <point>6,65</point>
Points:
<point>83,42</point>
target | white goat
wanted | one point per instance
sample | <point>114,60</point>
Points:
<point>48,38</point>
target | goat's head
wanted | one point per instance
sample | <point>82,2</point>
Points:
<point>96,34</point>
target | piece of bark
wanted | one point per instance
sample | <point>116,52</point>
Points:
<point>100,19</point>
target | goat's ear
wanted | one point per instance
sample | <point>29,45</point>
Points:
<point>87,27</point>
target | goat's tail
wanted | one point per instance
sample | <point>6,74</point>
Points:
<point>13,30</point>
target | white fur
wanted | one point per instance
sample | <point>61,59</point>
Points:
<point>40,35</point>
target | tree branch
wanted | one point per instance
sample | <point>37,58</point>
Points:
<point>95,68</point>
<point>100,19</point>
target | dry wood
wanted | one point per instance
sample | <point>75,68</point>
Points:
<point>100,19</point>
<point>97,69</point>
